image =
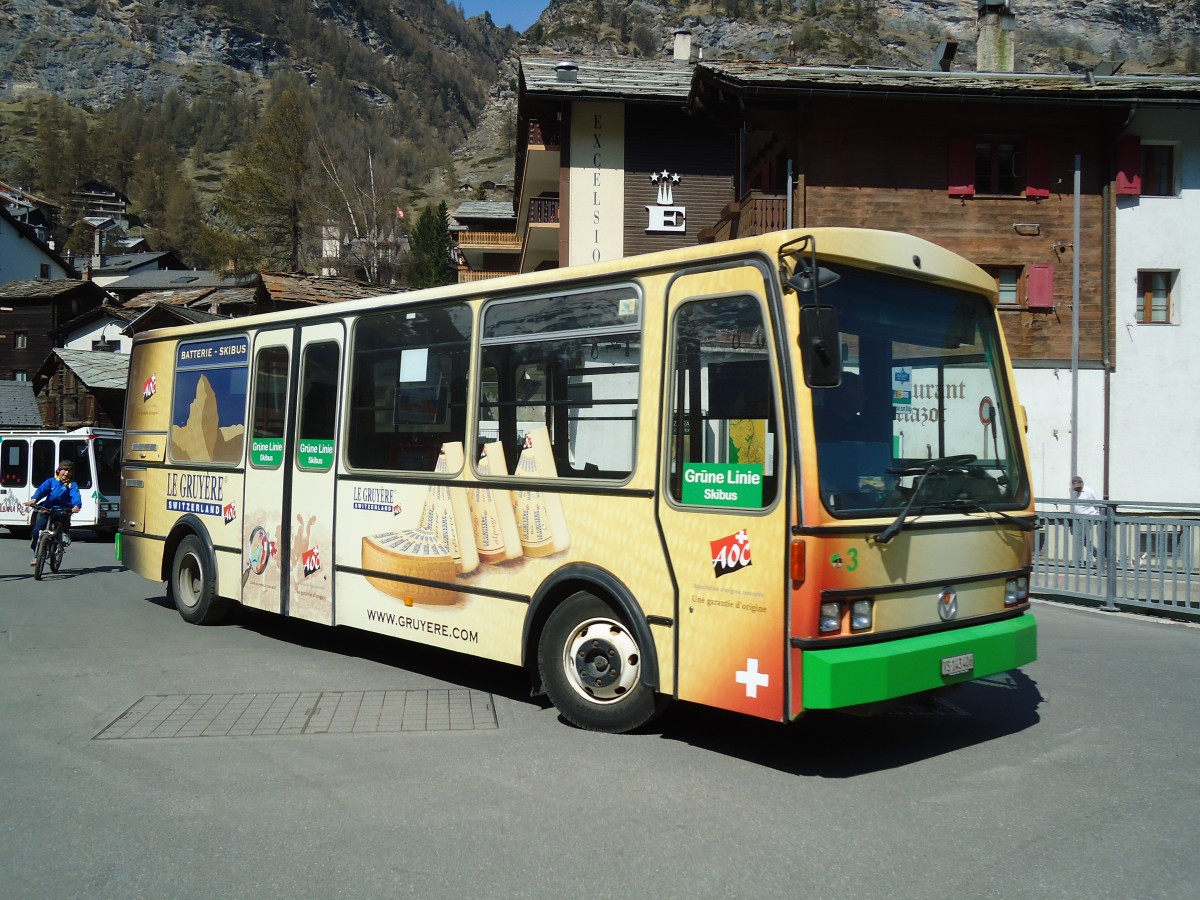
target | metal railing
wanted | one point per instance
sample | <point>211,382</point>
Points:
<point>1129,555</point>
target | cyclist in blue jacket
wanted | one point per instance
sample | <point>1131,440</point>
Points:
<point>58,493</point>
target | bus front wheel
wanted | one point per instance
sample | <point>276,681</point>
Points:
<point>591,666</point>
<point>191,585</point>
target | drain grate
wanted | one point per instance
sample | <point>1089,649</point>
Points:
<point>317,712</point>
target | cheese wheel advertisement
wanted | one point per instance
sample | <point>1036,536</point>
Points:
<point>433,557</point>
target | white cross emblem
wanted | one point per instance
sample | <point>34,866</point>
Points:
<point>752,678</point>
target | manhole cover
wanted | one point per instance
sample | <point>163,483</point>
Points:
<point>318,712</point>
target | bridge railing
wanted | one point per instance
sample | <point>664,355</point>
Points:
<point>1139,555</point>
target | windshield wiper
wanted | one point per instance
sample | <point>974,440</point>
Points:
<point>965,503</point>
<point>942,464</point>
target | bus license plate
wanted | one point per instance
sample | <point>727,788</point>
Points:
<point>958,665</point>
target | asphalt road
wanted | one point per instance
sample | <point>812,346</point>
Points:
<point>1076,777</point>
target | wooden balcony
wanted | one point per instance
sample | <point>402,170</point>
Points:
<point>756,213</point>
<point>492,241</point>
<point>467,276</point>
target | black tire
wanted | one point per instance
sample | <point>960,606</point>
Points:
<point>55,554</point>
<point>42,551</point>
<point>192,586</point>
<point>590,664</point>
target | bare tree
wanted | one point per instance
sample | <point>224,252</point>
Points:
<point>359,204</point>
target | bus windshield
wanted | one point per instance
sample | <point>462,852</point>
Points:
<point>922,404</point>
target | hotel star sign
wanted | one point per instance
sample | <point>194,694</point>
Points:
<point>665,217</point>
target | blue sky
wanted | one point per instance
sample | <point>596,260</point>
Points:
<point>520,15</point>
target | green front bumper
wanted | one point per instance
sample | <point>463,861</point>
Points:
<point>850,676</point>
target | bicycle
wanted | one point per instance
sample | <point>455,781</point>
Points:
<point>52,541</point>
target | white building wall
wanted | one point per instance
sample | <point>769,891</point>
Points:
<point>108,329</point>
<point>1155,417</point>
<point>22,259</point>
<point>1046,395</point>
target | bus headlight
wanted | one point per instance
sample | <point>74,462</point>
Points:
<point>862,615</point>
<point>1016,590</point>
<point>831,618</point>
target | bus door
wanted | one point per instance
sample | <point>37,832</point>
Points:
<point>721,507</point>
<point>264,506</point>
<point>314,474</point>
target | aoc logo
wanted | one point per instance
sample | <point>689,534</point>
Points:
<point>149,388</point>
<point>731,553</point>
<point>311,560</point>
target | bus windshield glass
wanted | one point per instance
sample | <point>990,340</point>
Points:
<point>922,405</point>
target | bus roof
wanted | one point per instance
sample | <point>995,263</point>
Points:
<point>891,252</point>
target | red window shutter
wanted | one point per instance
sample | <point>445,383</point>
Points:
<point>962,167</point>
<point>1039,288</point>
<point>1129,166</point>
<point>1037,168</point>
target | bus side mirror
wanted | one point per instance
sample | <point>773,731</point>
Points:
<point>820,346</point>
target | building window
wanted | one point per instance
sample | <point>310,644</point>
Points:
<point>999,168</point>
<point>1158,170</point>
<point>1154,297</point>
<point>21,340</point>
<point>44,270</point>
<point>20,375</point>
<point>1008,283</point>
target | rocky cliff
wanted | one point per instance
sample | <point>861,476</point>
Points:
<point>1051,35</point>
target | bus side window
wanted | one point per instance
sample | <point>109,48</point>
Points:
<point>270,407</point>
<point>77,452</point>
<point>569,365</point>
<point>408,392</point>
<point>723,431</point>
<point>318,406</point>
<point>14,463</point>
<point>45,460</point>
<point>208,403</point>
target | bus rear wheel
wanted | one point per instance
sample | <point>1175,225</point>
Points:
<point>192,587</point>
<point>591,666</point>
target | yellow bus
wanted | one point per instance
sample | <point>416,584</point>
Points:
<point>770,475</point>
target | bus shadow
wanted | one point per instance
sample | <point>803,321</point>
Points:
<point>440,665</point>
<point>94,570</point>
<point>62,575</point>
<point>839,745</point>
<point>821,744</point>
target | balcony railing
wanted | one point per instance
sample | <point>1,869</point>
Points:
<point>489,240</point>
<point>466,276</point>
<point>543,211</point>
<point>756,213</point>
<point>544,134</point>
